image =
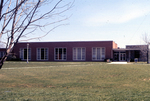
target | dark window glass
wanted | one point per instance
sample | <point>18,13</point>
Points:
<point>25,53</point>
<point>42,53</point>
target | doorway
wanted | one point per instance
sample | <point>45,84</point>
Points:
<point>122,56</point>
<point>119,56</point>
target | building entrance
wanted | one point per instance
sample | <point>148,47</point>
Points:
<point>119,56</point>
<point>122,56</point>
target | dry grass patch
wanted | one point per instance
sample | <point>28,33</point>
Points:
<point>2,76</point>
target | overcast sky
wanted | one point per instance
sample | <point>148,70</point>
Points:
<point>123,21</point>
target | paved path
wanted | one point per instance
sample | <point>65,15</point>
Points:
<point>119,63</point>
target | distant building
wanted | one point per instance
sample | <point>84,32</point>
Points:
<point>130,53</point>
<point>78,51</point>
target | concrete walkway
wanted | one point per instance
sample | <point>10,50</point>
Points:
<point>118,63</point>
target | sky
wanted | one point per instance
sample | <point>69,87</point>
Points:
<point>121,21</point>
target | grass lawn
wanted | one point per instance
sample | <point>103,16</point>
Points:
<point>74,81</point>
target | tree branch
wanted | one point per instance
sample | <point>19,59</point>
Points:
<point>47,12</point>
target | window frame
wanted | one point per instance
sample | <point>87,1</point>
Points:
<point>39,55</point>
<point>101,55</point>
<point>22,55</point>
<point>64,58</point>
<point>76,54</point>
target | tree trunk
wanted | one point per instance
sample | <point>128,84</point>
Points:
<point>1,64</point>
<point>3,60</point>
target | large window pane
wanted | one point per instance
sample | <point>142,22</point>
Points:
<point>83,53</point>
<point>94,53</point>
<point>23,53</point>
<point>64,51</point>
<point>74,54</point>
<point>46,53</point>
<point>60,54</point>
<point>98,53</point>
<point>103,53</point>
<point>56,53</point>
<point>42,53</point>
<point>78,53</point>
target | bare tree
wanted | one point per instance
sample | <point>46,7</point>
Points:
<point>146,39</point>
<point>20,18</point>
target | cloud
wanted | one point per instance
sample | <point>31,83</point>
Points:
<point>121,14</point>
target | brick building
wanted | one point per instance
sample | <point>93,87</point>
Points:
<point>77,51</point>
<point>65,51</point>
<point>130,53</point>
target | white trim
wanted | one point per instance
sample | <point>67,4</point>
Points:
<point>63,55</point>
<point>76,53</point>
<point>101,55</point>
<point>22,53</point>
<point>38,53</point>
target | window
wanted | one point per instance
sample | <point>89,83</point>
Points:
<point>2,54</point>
<point>23,53</point>
<point>60,54</point>
<point>98,53</point>
<point>42,53</point>
<point>78,53</point>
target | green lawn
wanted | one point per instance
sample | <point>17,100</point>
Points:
<point>74,81</point>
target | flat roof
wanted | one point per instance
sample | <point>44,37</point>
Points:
<point>64,41</point>
<point>124,49</point>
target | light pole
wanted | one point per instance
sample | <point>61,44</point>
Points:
<point>27,52</point>
<point>148,53</point>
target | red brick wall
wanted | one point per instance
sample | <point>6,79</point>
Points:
<point>69,46</point>
<point>115,46</point>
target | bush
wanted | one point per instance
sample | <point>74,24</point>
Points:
<point>107,59</point>
<point>12,58</point>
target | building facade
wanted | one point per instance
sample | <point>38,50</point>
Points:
<point>78,51</point>
<point>65,51</point>
<point>130,53</point>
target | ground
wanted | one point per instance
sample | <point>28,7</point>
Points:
<point>74,81</point>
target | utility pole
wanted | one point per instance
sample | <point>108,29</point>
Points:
<point>27,52</point>
<point>148,53</point>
